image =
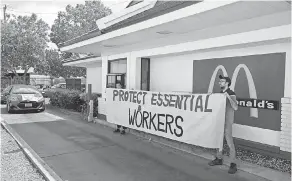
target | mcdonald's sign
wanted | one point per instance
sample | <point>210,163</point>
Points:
<point>258,81</point>
<point>251,87</point>
<point>253,103</point>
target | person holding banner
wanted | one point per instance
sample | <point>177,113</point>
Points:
<point>119,86</point>
<point>231,106</point>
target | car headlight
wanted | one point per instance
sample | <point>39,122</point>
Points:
<point>41,99</point>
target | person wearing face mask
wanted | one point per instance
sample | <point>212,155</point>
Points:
<point>118,130</point>
<point>231,106</point>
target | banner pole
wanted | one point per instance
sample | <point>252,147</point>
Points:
<point>90,115</point>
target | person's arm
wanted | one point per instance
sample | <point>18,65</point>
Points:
<point>232,100</point>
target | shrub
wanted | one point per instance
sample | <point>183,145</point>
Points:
<point>95,97</point>
<point>72,99</point>
<point>68,99</point>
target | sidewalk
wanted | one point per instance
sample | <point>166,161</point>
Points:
<point>14,163</point>
<point>76,150</point>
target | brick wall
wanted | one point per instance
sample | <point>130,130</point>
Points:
<point>285,138</point>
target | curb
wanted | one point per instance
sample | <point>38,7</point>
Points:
<point>44,169</point>
<point>256,170</point>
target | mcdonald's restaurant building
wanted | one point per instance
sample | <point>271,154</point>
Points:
<point>182,46</point>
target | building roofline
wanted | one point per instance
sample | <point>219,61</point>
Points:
<point>130,21</point>
<point>78,59</point>
<point>86,36</point>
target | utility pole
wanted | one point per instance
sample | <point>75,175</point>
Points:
<point>4,24</point>
<point>4,11</point>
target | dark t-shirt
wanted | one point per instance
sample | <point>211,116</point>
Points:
<point>229,91</point>
<point>229,117</point>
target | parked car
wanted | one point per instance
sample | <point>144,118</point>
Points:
<point>43,90</point>
<point>49,91</point>
<point>60,85</point>
<point>3,93</point>
<point>83,87</point>
<point>23,98</point>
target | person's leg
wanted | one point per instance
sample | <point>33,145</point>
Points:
<point>232,152</point>
<point>219,154</point>
<point>118,128</point>
<point>218,157</point>
<point>124,130</point>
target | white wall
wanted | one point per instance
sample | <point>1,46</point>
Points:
<point>175,73</point>
<point>172,68</point>
<point>171,73</point>
<point>93,76</point>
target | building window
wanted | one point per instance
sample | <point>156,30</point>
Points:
<point>145,74</point>
<point>117,71</point>
<point>117,66</point>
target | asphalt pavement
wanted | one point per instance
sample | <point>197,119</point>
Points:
<point>81,151</point>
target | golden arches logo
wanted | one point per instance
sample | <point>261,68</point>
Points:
<point>251,85</point>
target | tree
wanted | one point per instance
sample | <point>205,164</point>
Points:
<point>24,39</point>
<point>78,20</point>
<point>55,68</point>
<point>74,22</point>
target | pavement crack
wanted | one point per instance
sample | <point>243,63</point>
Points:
<point>77,151</point>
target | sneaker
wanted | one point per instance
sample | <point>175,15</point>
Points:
<point>117,131</point>
<point>123,132</point>
<point>232,168</point>
<point>217,161</point>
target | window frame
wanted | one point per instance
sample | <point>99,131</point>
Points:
<point>115,60</point>
<point>148,74</point>
<point>109,73</point>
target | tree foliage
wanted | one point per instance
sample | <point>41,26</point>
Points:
<point>78,20</point>
<point>24,39</point>
<point>54,66</point>
<point>69,24</point>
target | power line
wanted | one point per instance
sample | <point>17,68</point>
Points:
<point>25,12</point>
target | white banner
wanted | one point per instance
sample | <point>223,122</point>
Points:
<point>196,119</point>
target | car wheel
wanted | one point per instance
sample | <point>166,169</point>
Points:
<point>8,108</point>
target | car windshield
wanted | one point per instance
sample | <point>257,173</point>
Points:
<point>24,90</point>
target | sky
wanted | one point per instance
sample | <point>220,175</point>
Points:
<point>48,10</point>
